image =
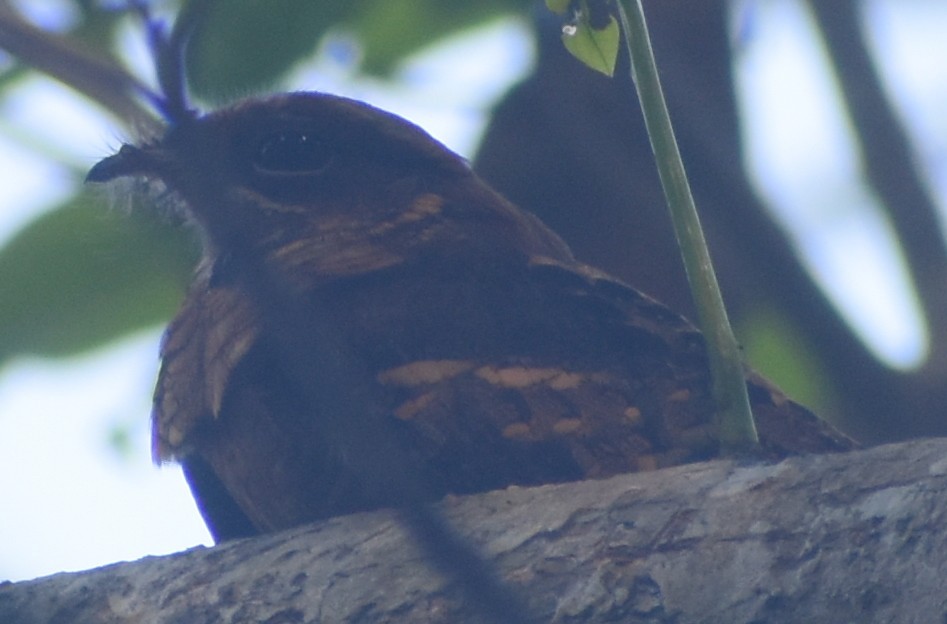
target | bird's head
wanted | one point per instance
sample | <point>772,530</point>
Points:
<point>362,187</point>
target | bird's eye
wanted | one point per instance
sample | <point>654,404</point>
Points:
<point>291,152</point>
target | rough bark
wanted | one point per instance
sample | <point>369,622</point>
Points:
<point>834,538</point>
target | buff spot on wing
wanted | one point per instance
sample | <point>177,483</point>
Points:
<point>601,378</point>
<point>268,205</point>
<point>516,431</point>
<point>778,398</point>
<point>540,260</point>
<point>588,272</point>
<point>423,207</point>
<point>301,247</point>
<point>679,396</point>
<point>424,372</point>
<point>355,258</point>
<point>633,414</point>
<point>567,425</point>
<point>516,376</point>
<point>220,365</point>
<point>566,381</point>
<point>173,436</point>
<point>410,409</point>
<point>333,258</point>
<point>645,463</point>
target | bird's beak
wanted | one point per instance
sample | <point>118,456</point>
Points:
<point>129,161</point>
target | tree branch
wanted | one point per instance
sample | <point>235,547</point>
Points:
<point>99,79</point>
<point>854,537</point>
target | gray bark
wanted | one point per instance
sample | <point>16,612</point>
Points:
<point>857,537</point>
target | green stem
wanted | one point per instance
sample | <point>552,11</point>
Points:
<point>737,431</point>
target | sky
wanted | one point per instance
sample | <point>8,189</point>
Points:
<point>72,502</point>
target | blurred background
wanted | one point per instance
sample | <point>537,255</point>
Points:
<point>814,134</point>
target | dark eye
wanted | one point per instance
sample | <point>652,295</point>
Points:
<point>291,152</point>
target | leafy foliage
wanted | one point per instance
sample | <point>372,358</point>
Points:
<point>82,274</point>
<point>241,49</point>
<point>591,34</point>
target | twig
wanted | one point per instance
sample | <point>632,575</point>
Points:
<point>737,431</point>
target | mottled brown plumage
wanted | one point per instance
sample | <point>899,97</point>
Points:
<point>490,356</point>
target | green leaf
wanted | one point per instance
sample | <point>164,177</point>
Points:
<point>557,6</point>
<point>83,274</point>
<point>393,29</point>
<point>780,350</point>
<point>247,46</point>
<point>596,48</point>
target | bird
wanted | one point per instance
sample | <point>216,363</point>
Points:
<point>370,321</point>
